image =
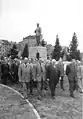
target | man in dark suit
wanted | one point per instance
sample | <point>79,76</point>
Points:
<point>53,74</point>
<point>14,71</point>
<point>71,72</point>
<point>4,72</point>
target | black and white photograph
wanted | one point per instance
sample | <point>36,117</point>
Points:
<point>41,59</point>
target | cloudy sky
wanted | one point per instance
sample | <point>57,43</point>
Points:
<point>18,19</point>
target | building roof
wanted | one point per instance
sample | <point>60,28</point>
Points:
<point>29,37</point>
<point>5,42</point>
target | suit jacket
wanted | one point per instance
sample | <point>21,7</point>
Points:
<point>71,72</point>
<point>25,73</point>
<point>61,69</point>
<point>34,71</point>
<point>14,68</point>
<point>4,68</point>
<point>43,71</point>
<point>52,74</point>
<point>39,69</point>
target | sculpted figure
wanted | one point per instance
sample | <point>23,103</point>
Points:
<point>38,34</point>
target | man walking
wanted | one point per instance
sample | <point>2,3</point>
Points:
<point>71,72</point>
<point>25,74</point>
<point>4,71</point>
<point>61,69</point>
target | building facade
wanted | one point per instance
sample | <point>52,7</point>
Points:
<point>30,40</point>
<point>50,49</point>
<point>4,48</point>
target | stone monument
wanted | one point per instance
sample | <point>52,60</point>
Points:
<point>38,50</point>
<point>38,34</point>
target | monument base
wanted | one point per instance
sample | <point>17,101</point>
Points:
<point>42,52</point>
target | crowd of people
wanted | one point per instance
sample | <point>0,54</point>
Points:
<point>42,74</point>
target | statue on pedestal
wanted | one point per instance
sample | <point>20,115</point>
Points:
<point>38,34</point>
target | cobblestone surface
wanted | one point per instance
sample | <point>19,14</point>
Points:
<point>62,107</point>
<point>13,106</point>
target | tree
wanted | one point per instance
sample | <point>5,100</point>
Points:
<point>65,54</point>
<point>13,52</point>
<point>74,52</point>
<point>56,54</point>
<point>25,52</point>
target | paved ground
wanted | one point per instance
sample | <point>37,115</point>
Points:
<point>13,106</point>
<point>62,107</point>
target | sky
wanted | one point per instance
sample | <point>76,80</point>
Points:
<point>18,19</point>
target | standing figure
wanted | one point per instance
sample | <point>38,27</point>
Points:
<point>61,69</point>
<point>79,77</point>
<point>81,73</point>
<point>53,76</point>
<point>38,75</point>
<point>71,72</point>
<point>43,74</point>
<point>25,74</point>
<point>4,72</point>
<point>14,71</point>
<point>38,34</point>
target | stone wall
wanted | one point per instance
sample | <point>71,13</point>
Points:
<point>41,50</point>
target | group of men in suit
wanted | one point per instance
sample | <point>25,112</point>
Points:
<point>39,72</point>
<point>31,71</point>
<point>74,72</point>
<point>9,71</point>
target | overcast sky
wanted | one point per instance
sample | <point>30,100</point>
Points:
<point>18,19</point>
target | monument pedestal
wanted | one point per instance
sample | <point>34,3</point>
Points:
<point>42,52</point>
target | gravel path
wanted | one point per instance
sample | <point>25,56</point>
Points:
<point>13,106</point>
<point>62,107</point>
